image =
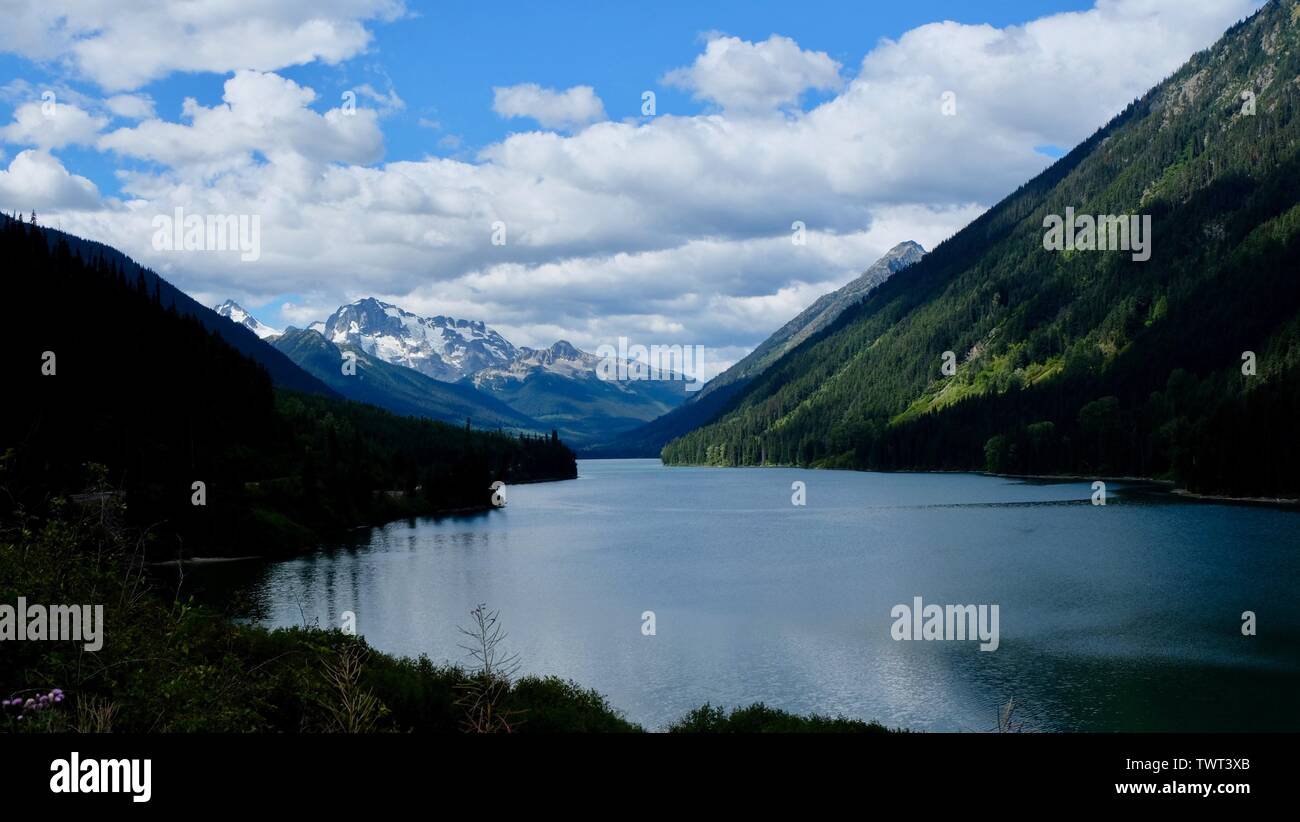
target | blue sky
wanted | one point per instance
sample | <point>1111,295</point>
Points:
<point>622,49</point>
<point>666,229</point>
<point>444,59</point>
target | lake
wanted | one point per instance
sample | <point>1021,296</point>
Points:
<point>1126,616</point>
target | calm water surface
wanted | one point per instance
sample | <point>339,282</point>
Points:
<point>1122,617</point>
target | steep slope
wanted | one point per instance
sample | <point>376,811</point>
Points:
<point>818,316</point>
<point>397,388</point>
<point>1083,361</point>
<point>560,387</point>
<point>714,399</point>
<point>234,312</point>
<point>648,439</point>
<point>283,372</point>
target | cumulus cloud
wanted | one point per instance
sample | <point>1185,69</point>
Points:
<point>261,114</point>
<point>566,109</point>
<point>124,44</point>
<point>51,124</point>
<point>131,106</point>
<point>672,229</point>
<point>743,76</point>
<point>37,181</point>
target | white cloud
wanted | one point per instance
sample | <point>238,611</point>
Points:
<point>51,125</point>
<point>743,76</point>
<point>566,109</point>
<point>131,106</point>
<point>385,101</point>
<point>35,180</point>
<point>124,44</point>
<point>261,113</point>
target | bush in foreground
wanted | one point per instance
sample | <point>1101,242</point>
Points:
<point>759,718</point>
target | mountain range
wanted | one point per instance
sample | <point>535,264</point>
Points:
<point>997,352</point>
<point>454,369</point>
<point>397,388</point>
<point>142,391</point>
<point>443,348</point>
<point>560,387</point>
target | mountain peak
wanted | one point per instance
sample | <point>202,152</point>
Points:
<point>899,257</point>
<point>234,312</point>
<point>819,315</point>
<point>564,349</point>
<point>441,347</point>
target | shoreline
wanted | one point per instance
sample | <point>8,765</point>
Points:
<point>178,563</point>
<point>1282,501</point>
<point>1168,485</point>
<point>333,534</point>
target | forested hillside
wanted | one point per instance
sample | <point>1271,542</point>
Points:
<point>282,371</point>
<point>1086,362</point>
<point>110,390</point>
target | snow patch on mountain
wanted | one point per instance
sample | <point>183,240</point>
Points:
<point>561,358</point>
<point>234,312</point>
<point>444,348</point>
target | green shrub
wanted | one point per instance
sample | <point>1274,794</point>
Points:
<point>759,718</point>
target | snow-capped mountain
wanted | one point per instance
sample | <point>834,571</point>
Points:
<point>233,311</point>
<point>444,348</point>
<point>556,387</point>
<point>563,358</point>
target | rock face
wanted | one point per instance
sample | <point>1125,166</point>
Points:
<point>444,348</point>
<point>397,388</point>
